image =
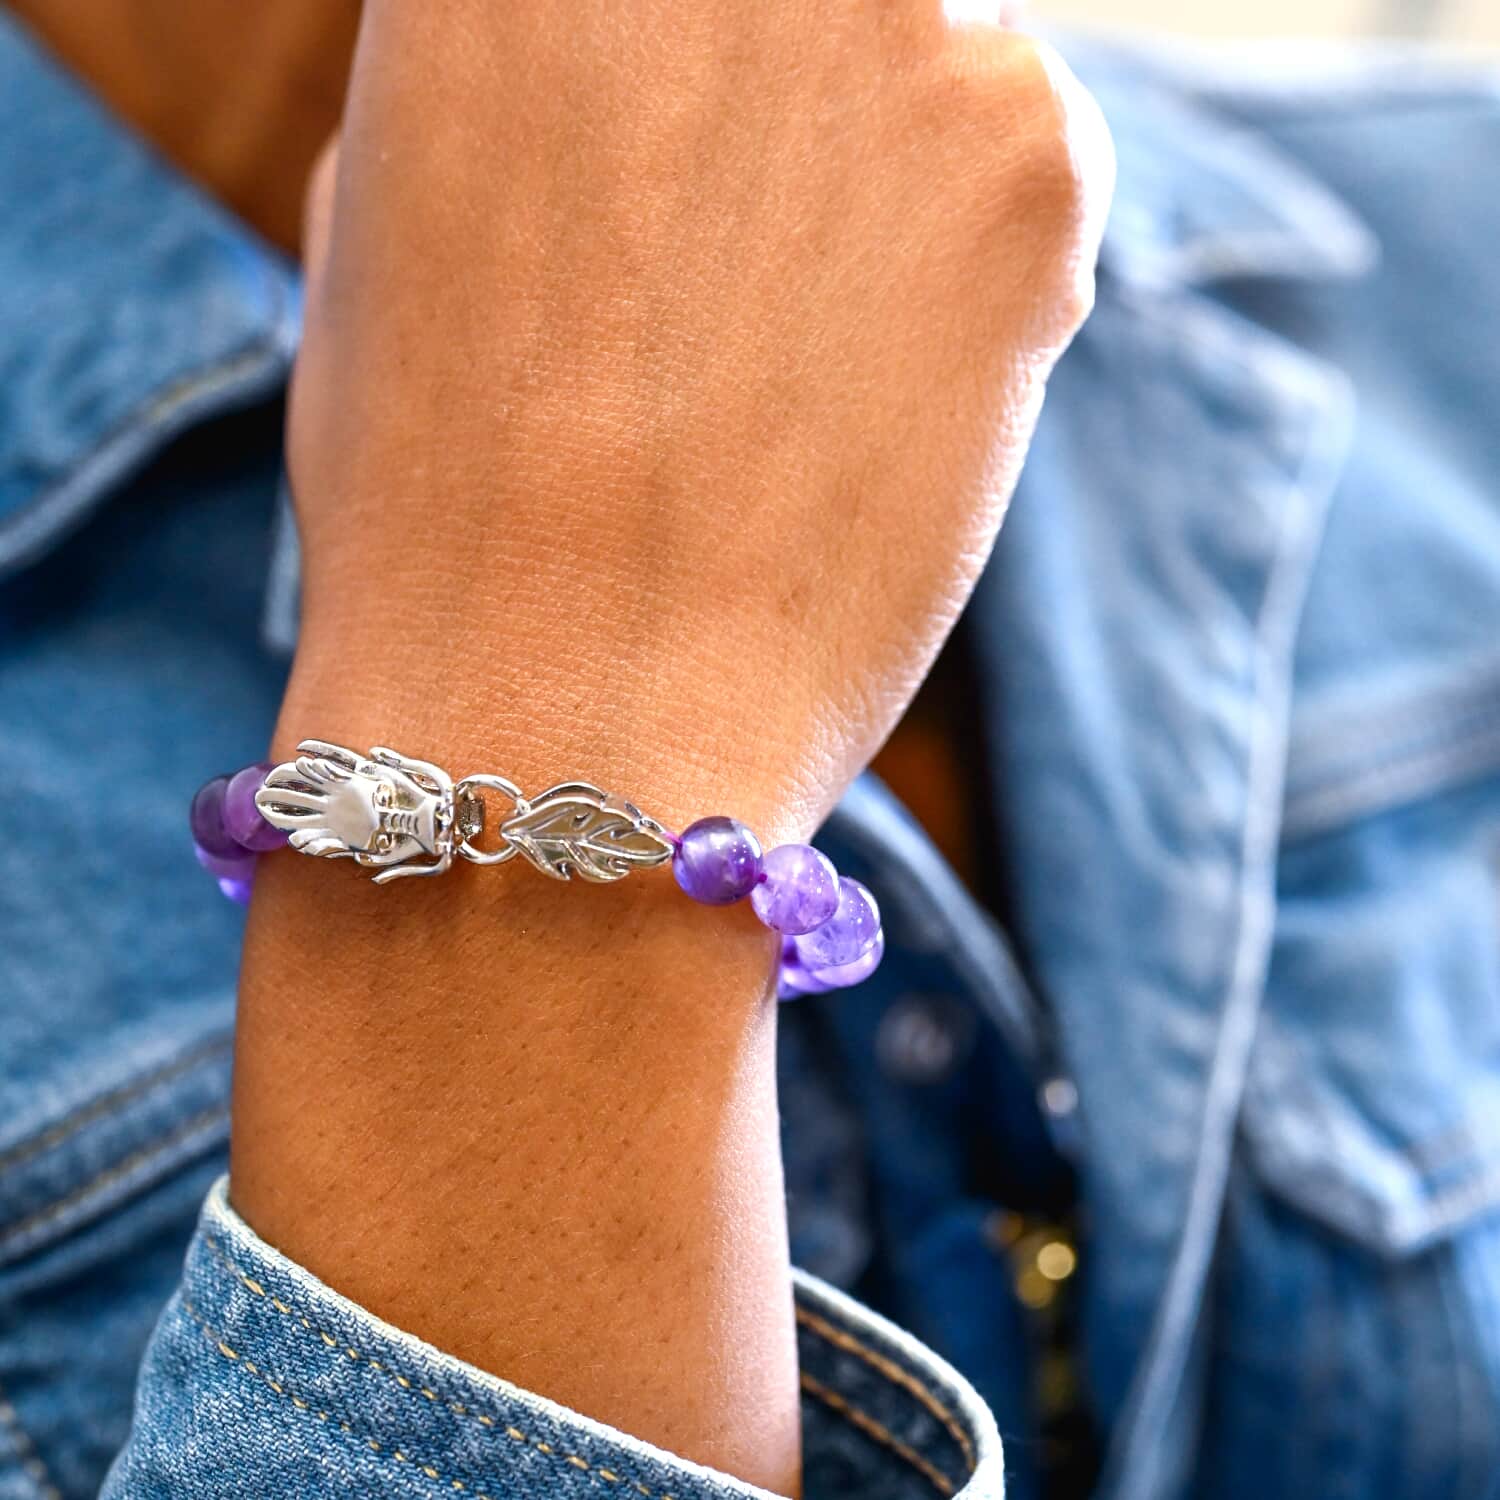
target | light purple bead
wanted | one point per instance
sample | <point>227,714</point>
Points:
<point>847,935</point>
<point>717,861</point>
<point>841,976</point>
<point>237,866</point>
<point>799,889</point>
<point>238,891</point>
<point>206,818</point>
<point>242,819</point>
<point>793,979</point>
<point>793,982</point>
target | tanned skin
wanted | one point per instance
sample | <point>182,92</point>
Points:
<point>667,370</point>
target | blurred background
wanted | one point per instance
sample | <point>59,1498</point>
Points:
<point>1470,23</point>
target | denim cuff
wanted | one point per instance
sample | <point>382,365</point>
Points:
<point>260,1380</point>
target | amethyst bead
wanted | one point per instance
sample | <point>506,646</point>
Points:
<point>793,982</point>
<point>206,818</point>
<point>793,979</point>
<point>237,866</point>
<point>799,889</point>
<point>841,976</point>
<point>238,891</point>
<point>242,819</point>
<point>717,861</point>
<point>848,934</point>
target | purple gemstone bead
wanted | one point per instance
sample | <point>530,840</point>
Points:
<point>841,976</point>
<point>793,979</point>
<point>799,889</point>
<point>237,866</point>
<point>793,982</point>
<point>207,819</point>
<point>238,891</point>
<point>717,861</point>
<point>847,935</point>
<point>242,819</point>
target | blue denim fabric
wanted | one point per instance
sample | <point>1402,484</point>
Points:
<point>1231,1010</point>
<point>261,1381</point>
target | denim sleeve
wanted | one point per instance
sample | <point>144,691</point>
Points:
<point>260,1380</point>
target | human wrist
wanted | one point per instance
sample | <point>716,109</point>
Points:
<point>457,1090</point>
<point>551,690</point>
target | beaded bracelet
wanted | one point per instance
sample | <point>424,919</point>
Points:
<point>405,817</point>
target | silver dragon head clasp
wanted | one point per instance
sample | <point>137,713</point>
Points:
<point>383,810</point>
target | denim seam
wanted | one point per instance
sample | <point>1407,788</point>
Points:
<point>867,1424</point>
<point>348,1352</point>
<point>128,443</point>
<point>319,1414</point>
<point>1462,748</point>
<point>106,1103</point>
<point>819,1327</point>
<point>43,1216</point>
<point>31,1459</point>
<point>892,1372</point>
<point>1315,405</point>
<point>1351,1205</point>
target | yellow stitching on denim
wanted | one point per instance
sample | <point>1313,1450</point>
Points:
<point>26,1450</point>
<point>111,1102</point>
<point>256,1289</point>
<point>373,1444</point>
<point>60,1206</point>
<point>609,1476</point>
<point>883,1435</point>
<point>892,1372</point>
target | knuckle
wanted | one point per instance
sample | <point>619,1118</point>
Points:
<point>1070,143</point>
<point>1050,141</point>
<point>1055,139</point>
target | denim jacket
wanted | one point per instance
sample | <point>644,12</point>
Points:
<point>1180,1153</point>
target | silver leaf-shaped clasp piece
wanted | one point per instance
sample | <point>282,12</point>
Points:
<point>575,829</point>
<point>400,816</point>
<point>383,810</point>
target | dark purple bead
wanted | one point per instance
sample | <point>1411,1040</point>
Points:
<point>717,861</point>
<point>799,889</point>
<point>206,818</point>
<point>237,866</point>
<point>841,976</point>
<point>238,891</point>
<point>847,935</point>
<point>242,819</point>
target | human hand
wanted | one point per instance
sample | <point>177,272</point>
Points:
<point>667,377</point>
<point>667,370</point>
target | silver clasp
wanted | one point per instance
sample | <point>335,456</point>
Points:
<point>389,812</point>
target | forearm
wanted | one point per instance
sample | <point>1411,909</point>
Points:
<point>662,388</point>
<point>533,1123</point>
